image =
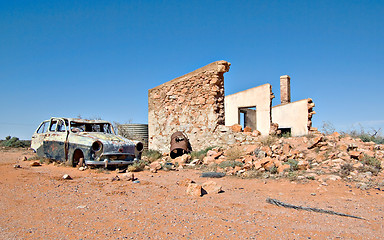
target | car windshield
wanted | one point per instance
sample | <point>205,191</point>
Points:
<point>91,127</point>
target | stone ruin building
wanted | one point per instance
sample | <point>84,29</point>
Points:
<point>196,105</point>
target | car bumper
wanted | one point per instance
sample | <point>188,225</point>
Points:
<point>110,162</point>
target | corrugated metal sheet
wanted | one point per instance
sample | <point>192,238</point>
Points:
<point>138,132</point>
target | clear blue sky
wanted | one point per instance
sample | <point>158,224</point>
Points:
<point>99,58</point>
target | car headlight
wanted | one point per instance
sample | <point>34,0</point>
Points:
<point>139,147</point>
<point>97,146</point>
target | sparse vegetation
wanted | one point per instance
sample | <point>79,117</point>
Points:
<point>268,140</point>
<point>137,166</point>
<point>293,165</point>
<point>346,169</point>
<point>230,163</point>
<point>200,154</point>
<point>371,161</point>
<point>152,155</point>
<point>234,153</point>
<point>15,142</point>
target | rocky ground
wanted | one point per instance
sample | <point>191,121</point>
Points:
<point>37,203</point>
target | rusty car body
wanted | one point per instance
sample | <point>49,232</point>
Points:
<point>80,141</point>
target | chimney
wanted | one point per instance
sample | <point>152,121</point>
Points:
<point>285,89</point>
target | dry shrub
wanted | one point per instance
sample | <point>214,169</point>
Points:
<point>268,140</point>
<point>234,153</point>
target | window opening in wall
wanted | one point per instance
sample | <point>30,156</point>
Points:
<point>285,132</point>
<point>247,117</point>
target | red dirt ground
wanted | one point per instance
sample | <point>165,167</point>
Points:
<point>36,203</point>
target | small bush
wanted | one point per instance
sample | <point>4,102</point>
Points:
<point>346,169</point>
<point>371,161</point>
<point>252,174</point>
<point>292,175</point>
<point>366,136</point>
<point>137,166</point>
<point>273,170</point>
<point>293,165</point>
<point>15,142</point>
<point>234,153</point>
<point>230,163</point>
<point>268,140</point>
<point>200,154</point>
<point>209,168</point>
<point>152,155</point>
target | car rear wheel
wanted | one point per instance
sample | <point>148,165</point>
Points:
<point>78,158</point>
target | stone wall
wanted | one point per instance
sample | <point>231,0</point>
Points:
<point>259,97</point>
<point>193,104</point>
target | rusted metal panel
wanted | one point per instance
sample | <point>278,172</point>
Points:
<point>179,144</point>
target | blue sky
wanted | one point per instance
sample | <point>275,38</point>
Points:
<point>99,58</point>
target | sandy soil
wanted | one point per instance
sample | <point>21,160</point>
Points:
<point>36,203</point>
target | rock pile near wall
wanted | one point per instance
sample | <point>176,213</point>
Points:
<point>317,157</point>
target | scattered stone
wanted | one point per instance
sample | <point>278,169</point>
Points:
<point>315,141</point>
<point>185,182</point>
<point>194,190</point>
<point>247,129</point>
<point>236,128</point>
<point>115,178</point>
<point>25,158</point>
<point>128,176</point>
<point>16,166</point>
<point>82,168</point>
<point>67,177</point>
<point>211,187</point>
<point>136,181</point>
<point>35,164</point>
<point>155,166</point>
<point>313,194</point>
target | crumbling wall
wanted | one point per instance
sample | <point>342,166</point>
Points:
<point>193,104</point>
<point>296,116</point>
<point>259,97</point>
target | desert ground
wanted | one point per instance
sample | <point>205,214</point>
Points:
<point>37,203</point>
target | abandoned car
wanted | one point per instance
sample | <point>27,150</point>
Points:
<point>79,142</point>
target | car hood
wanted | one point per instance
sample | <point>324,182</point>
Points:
<point>105,137</point>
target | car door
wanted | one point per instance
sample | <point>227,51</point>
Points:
<point>55,142</point>
<point>38,138</point>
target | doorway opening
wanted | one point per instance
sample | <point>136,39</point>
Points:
<point>247,117</point>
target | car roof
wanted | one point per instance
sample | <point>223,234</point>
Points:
<point>80,120</point>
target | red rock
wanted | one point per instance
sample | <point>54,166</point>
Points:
<point>257,165</point>
<point>256,133</point>
<point>303,165</point>
<point>269,165</point>
<point>185,182</point>
<point>315,141</point>
<point>211,187</point>
<point>283,167</point>
<point>265,160</point>
<point>128,176</point>
<point>194,190</point>
<point>35,164</point>
<point>236,128</point>
<point>155,166</point>
<point>247,129</point>
<point>286,148</point>
<point>355,154</point>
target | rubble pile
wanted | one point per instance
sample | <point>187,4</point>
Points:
<point>315,157</point>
